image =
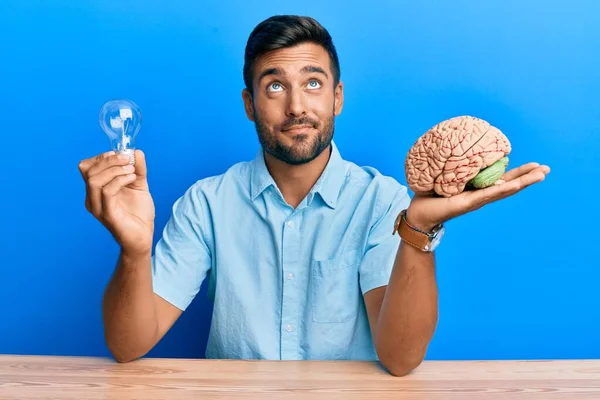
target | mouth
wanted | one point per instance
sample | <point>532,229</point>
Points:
<point>298,129</point>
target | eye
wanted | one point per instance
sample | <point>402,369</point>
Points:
<point>274,87</point>
<point>314,84</point>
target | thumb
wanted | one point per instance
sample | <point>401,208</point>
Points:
<point>141,180</point>
<point>140,164</point>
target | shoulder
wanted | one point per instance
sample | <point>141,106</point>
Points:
<point>234,178</point>
<point>383,191</point>
<point>368,175</point>
<point>197,201</point>
<point>372,179</point>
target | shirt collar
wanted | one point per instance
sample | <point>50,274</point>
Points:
<point>328,186</point>
<point>261,178</point>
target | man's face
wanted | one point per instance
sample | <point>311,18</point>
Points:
<point>295,102</point>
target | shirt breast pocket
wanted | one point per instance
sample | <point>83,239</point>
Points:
<point>335,288</point>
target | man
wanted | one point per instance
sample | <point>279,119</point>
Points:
<point>298,242</point>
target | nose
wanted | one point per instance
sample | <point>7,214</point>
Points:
<point>296,106</point>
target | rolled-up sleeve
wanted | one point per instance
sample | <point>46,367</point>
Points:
<point>182,257</point>
<point>381,249</point>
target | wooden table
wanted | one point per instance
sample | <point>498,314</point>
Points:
<point>70,378</point>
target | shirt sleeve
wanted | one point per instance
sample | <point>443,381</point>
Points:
<point>182,257</point>
<point>381,249</point>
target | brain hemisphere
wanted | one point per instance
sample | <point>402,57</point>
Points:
<point>452,153</point>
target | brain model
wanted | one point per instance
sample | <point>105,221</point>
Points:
<point>458,154</point>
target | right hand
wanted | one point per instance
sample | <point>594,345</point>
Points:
<point>120,199</point>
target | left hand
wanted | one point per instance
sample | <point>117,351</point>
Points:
<point>425,212</point>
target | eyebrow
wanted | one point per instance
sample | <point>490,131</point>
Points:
<point>305,70</point>
<point>312,69</point>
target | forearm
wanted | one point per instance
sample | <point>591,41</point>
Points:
<point>129,310</point>
<point>409,311</point>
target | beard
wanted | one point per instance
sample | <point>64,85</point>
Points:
<point>305,147</point>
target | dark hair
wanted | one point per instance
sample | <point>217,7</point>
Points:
<point>281,31</point>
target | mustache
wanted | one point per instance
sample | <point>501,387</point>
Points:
<point>291,122</point>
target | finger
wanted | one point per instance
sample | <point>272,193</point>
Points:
<point>84,167</point>
<point>97,182</point>
<point>110,190</point>
<point>520,171</point>
<point>536,175</point>
<point>86,164</point>
<point>108,162</point>
<point>488,195</point>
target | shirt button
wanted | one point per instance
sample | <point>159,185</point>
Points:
<point>291,224</point>
<point>288,328</point>
<point>290,276</point>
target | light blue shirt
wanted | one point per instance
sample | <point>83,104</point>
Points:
<point>286,283</point>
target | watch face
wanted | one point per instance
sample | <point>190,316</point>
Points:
<point>437,239</point>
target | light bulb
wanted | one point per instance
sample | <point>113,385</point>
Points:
<point>121,121</point>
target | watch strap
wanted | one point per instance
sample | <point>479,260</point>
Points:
<point>410,234</point>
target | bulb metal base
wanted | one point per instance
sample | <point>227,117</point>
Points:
<point>131,153</point>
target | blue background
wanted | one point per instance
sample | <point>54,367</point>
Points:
<point>518,278</point>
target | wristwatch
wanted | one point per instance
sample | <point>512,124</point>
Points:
<point>424,241</point>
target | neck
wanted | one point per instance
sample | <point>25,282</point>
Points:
<point>296,181</point>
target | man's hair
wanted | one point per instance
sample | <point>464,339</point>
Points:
<point>282,31</point>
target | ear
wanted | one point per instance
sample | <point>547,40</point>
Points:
<point>338,99</point>
<point>248,106</point>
